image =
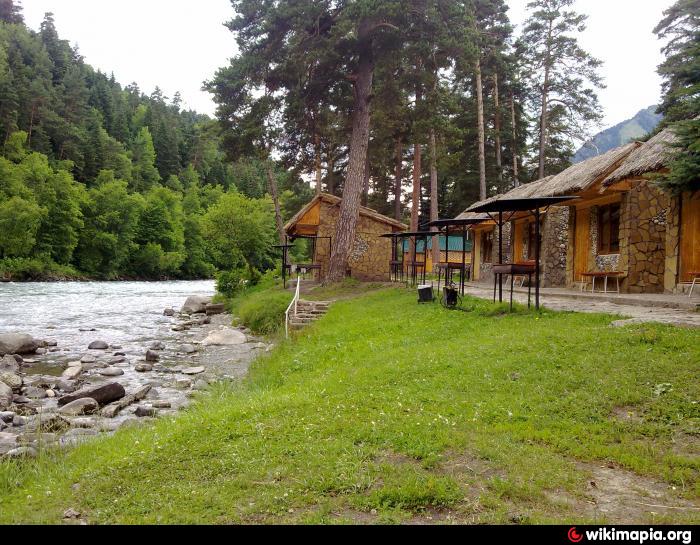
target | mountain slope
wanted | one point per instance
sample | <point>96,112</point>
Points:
<point>640,125</point>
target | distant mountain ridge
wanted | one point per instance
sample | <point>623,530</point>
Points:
<point>640,125</point>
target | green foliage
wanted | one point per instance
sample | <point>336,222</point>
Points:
<point>229,283</point>
<point>240,231</point>
<point>19,223</point>
<point>681,101</point>
<point>263,312</point>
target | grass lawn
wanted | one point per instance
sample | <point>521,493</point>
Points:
<point>387,411</point>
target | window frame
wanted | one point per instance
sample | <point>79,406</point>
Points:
<point>609,229</point>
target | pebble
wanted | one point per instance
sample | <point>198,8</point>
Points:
<point>111,372</point>
<point>145,412</point>
<point>22,452</point>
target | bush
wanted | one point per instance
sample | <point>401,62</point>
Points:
<point>229,283</point>
<point>35,269</point>
<point>263,312</point>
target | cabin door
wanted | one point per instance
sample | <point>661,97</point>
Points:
<point>690,235</point>
<point>582,242</point>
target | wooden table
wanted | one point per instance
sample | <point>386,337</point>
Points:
<point>604,275</point>
<point>513,270</point>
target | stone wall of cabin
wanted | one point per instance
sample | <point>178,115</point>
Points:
<point>370,256</point>
<point>643,220</point>
<point>555,236</point>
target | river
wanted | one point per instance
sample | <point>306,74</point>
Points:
<point>128,314</point>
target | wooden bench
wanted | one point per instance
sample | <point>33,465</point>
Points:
<point>617,275</point>
<point>695,275</point>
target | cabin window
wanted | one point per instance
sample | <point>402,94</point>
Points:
<point>487,247</point>
<point>609,229</point>
<point>532,240</point>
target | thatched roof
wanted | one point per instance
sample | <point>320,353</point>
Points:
<point>335,201</point>
<point>521,192</point>
<point>648,157</point>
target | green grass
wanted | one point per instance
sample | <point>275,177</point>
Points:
<point>385,411</point>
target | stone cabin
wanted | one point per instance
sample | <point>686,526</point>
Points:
<point>659,232</point>
<point>370,260</point>
<point>621,221</point>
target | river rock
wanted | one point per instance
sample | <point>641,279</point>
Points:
<point>145,412</point>
<point>196,304</point>
<point>72,372</point>
<point>193,371</point>
<point>7,416</point>
<point>11,379</point>
<point>9,363</point>
<point>213,309</point>
<point>188,349</point>
<point>151,356</point>
<point>98,345</point>
<point>183,384</point>
<point>169,312</point>
<point>6,396</point>
<point>22,452</point>
<point>157,346</point>
<point>103,394</point>
<point>80,407</point>
<point>110,411</point>
<point>17,343</point>
<point>67,386</point>
<point>161,404</point>
<point>51,423</point>
<point>143,367</point>
<point>111,372</point>
<point>224,337</point>
<point>19,421</point>
<point>88,358</point>
<point>32,392</point>
<point>116,359</point>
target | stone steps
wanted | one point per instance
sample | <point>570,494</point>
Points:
<point>307,313</point>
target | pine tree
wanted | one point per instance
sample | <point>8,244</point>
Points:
<point>562,78</point>
<point>145,174</point>
<point>11,12</point>
<point>681,101</point>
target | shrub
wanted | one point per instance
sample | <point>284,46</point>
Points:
<point>263,312</point>
<point>229,283</point>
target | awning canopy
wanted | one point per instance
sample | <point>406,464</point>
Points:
<point>455,222</point>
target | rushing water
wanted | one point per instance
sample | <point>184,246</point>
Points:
<point>128,314</point>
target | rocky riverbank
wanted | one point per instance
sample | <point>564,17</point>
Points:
<point>50,398</point>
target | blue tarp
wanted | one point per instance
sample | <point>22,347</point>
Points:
<point>455,245</point>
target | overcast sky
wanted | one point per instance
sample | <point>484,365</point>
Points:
<point>177,44</point>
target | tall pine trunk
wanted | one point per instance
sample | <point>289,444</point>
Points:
<point>365,186</point>
<point>482,130</point>
<point>330,176</point>
<point>272,188</point>
<point>434,209</point>
<point>417,173</point>
<point>398,176</point>
<point>497,136</point>
<point>359,142</point>
<point>516,175</point>
<point>319,173</point>
<point>544,122</point>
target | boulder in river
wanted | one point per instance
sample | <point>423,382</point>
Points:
<point>145,412</point>
<point>6,396</point>
<point>17,343</point>
<point>103,394</point>
<point>225,337</point>
<point>215,308</point>
<point>111,410</point>
<point>169,312</point>
<point>157,346</point>
<point>88,358</point>
<point>10,364</point>
<point>143,367</point>
<point>188,349</point>
<point>151,356</point>
<point>196,304</point>
<point>98,345</point>
<point>80,407</point>
<point>13,380</point>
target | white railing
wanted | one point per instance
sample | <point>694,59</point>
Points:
<point>294,304</point>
